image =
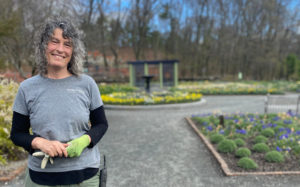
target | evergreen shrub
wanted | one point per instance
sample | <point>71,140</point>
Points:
<point>247,163</point>
<point>261,148</point>
<point>260,139</point>
<point>216,138</point>
<point>243,152</point>
<point>239,142</point>
<point>274,156</point>
<point>268,132</point>
<point>226,146</point>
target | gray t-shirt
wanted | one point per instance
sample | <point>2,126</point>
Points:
<point>59,109</point>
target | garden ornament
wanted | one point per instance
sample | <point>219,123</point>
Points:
<point>45,159</point>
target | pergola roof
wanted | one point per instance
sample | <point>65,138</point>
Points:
<point>153,62</point>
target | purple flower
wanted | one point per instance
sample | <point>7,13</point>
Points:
<point>278,149</point>
<point>205,123</point>
<point>290,113</point>
<point>236,120</point>
<point>281,129</point>
<point>283,136</point>
<point>228,117</point>
<point>251,119</point>
<point>297,132</point>
<point>221,131</point>
<point>264,126</point>
<point>288,130</point>
<point>276,118</point>
<point>209,128</point>
<point>287,121</point>
<point>242,131</point>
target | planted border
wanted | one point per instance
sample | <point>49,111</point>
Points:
<point>225,167</point>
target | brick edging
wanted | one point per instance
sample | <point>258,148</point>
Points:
<point>224,165</point>
<point>14,173</point>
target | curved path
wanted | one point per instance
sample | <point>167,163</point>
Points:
<point>146,148</point>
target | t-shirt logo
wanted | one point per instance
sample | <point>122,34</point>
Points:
<point>75,91</point>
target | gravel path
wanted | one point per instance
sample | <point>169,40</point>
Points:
<point>146,148</point>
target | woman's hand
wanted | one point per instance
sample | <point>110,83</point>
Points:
<point>77,145</point>
<point>50,147</point>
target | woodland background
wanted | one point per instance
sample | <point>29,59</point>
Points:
<point>210,38</point>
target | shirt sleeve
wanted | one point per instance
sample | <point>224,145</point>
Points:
<point>96,100</point>
<point>99,125</point>
<point>20,105</point>
<point>20,132</point>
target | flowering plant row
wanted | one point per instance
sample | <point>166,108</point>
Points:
<point>111,88</point>
<point>276,136</point>
<point>250,87</point>
<point>142,98</point>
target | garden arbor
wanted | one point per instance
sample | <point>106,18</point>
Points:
<point>163,71</point>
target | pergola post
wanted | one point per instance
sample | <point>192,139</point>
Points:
<point>146,70</point>
<point>131,75</point>
<point>161,76</point>
<point>175,74</point>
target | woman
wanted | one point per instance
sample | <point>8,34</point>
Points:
<point>58,104</point>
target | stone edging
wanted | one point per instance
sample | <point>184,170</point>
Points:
<point>13,173</point>
<point>154,107</point>
<point>224,165</point>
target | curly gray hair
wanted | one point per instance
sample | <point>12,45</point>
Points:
<point>70,32</point>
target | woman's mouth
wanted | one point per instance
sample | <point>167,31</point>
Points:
<point>58,56</point>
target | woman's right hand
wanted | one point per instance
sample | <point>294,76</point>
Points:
<point>51,147</point>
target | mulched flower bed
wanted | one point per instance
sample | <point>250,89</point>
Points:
<point>290,165</point>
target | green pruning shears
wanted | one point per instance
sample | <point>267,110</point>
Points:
<point>45,159</point>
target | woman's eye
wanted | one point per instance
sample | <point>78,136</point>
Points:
<point>68,45</point>
<point>54,41</point>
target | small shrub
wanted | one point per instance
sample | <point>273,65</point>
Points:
<point>277,129</point>
<point>243,152</point>
<point>226,146</point>
<point>260,139</point>
<point>216,138</point>
<point>8,151</point>
<point>239,136</point>
<point>239,142</point>
<point>247,163</point>
<point>268,132</point>
<point>296,150</point>
<point>274,156</point>
<point>261,148</point>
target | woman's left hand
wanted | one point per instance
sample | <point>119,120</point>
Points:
<point>50,147</point>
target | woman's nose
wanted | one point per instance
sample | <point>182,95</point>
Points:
<point>60,47</point>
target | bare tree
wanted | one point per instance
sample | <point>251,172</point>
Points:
<point>138,24</point>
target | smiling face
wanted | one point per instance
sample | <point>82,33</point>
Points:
<point>59,51</point>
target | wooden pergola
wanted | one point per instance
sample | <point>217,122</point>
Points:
<point>168,72</point>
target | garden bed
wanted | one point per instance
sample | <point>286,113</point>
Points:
<point>155,98</point>
<point>238,88</point>
<point>229,161</point>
